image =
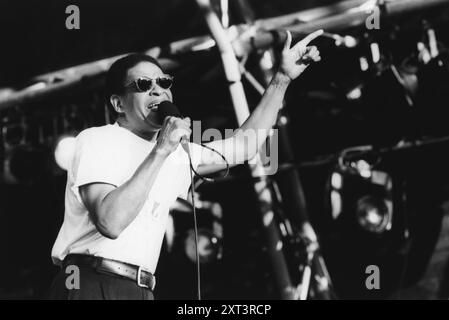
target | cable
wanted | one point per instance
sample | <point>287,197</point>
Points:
<point>195,222</point>
<point>208,179</point>
<point>195,225</point>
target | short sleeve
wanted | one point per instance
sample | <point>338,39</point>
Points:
<point>97,159</point>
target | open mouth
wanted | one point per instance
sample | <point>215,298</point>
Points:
<point>153,116</point>
<point>153,106</point>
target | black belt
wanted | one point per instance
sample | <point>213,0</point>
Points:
<point>142,278</point>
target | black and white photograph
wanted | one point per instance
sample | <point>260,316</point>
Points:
<point>230,150</point>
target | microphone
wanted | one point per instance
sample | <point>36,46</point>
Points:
<point>168,109</point>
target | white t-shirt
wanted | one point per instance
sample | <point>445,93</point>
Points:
<point>111,154</point>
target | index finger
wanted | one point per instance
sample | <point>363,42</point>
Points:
<point>311,37</point>
<point>288,41</point>
<point>187,119</point>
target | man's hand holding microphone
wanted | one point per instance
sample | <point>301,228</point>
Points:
<point>175,129</point>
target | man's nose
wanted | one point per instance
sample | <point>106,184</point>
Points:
<point>157,90</point>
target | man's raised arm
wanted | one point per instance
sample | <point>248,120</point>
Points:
<point>247,140</point>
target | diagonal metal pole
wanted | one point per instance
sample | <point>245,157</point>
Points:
<point>290,183</point>
<point>263,191</point>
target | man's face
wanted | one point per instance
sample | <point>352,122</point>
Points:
<point>140,108</point>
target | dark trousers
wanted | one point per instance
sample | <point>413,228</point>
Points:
<point>94,285</point>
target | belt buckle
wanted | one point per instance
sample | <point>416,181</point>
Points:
<point>140,284</point>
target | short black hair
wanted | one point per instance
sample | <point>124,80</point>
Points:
<point>116,74</point>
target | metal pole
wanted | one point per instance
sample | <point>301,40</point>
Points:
<point>289,182</point>
<point>264,195</point>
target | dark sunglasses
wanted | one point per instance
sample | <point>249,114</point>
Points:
<point>147,84</point>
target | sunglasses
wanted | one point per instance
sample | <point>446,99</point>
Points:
<point>147,84</point>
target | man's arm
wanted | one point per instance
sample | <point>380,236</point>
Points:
<point>247,140</point>
<point>114,208</point>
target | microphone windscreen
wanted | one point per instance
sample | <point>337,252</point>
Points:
<point>167,109</point>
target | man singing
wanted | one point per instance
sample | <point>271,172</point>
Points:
<point>124,177</point>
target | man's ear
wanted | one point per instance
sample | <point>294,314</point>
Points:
<point>116,103</point>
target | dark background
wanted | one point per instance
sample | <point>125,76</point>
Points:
<point>322,121</point>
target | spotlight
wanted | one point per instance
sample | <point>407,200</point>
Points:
<point>180,236</point>
<point>64,151</point>
<point>355,93</point>
<point>374,214</point>
<point>361,194</point>
<point>367,222</point>
<point>208,246</point>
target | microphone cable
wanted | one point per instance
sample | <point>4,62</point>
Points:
<point>195,221</point>
<point>168,109</point>
<point>195,225</point>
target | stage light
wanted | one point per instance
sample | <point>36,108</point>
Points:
<point>363,168</point>
<point>364,66</point>
<point>208,246</point>
<point>374,214</point>
<point>375,52</point>
<point>180,237</point>
<point>354,94</point>
<point>350,42</point>
<point>64,151</point>
<point>360,193</point>
<point>336,203</point>
<point>336,180</point>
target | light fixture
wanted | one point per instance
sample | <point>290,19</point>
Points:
<point>180,237</point>
<point>374,213</point>
<point>361,191</point>
<point>355,93</point>
<point>209,246</point>
<point>64,151</point>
